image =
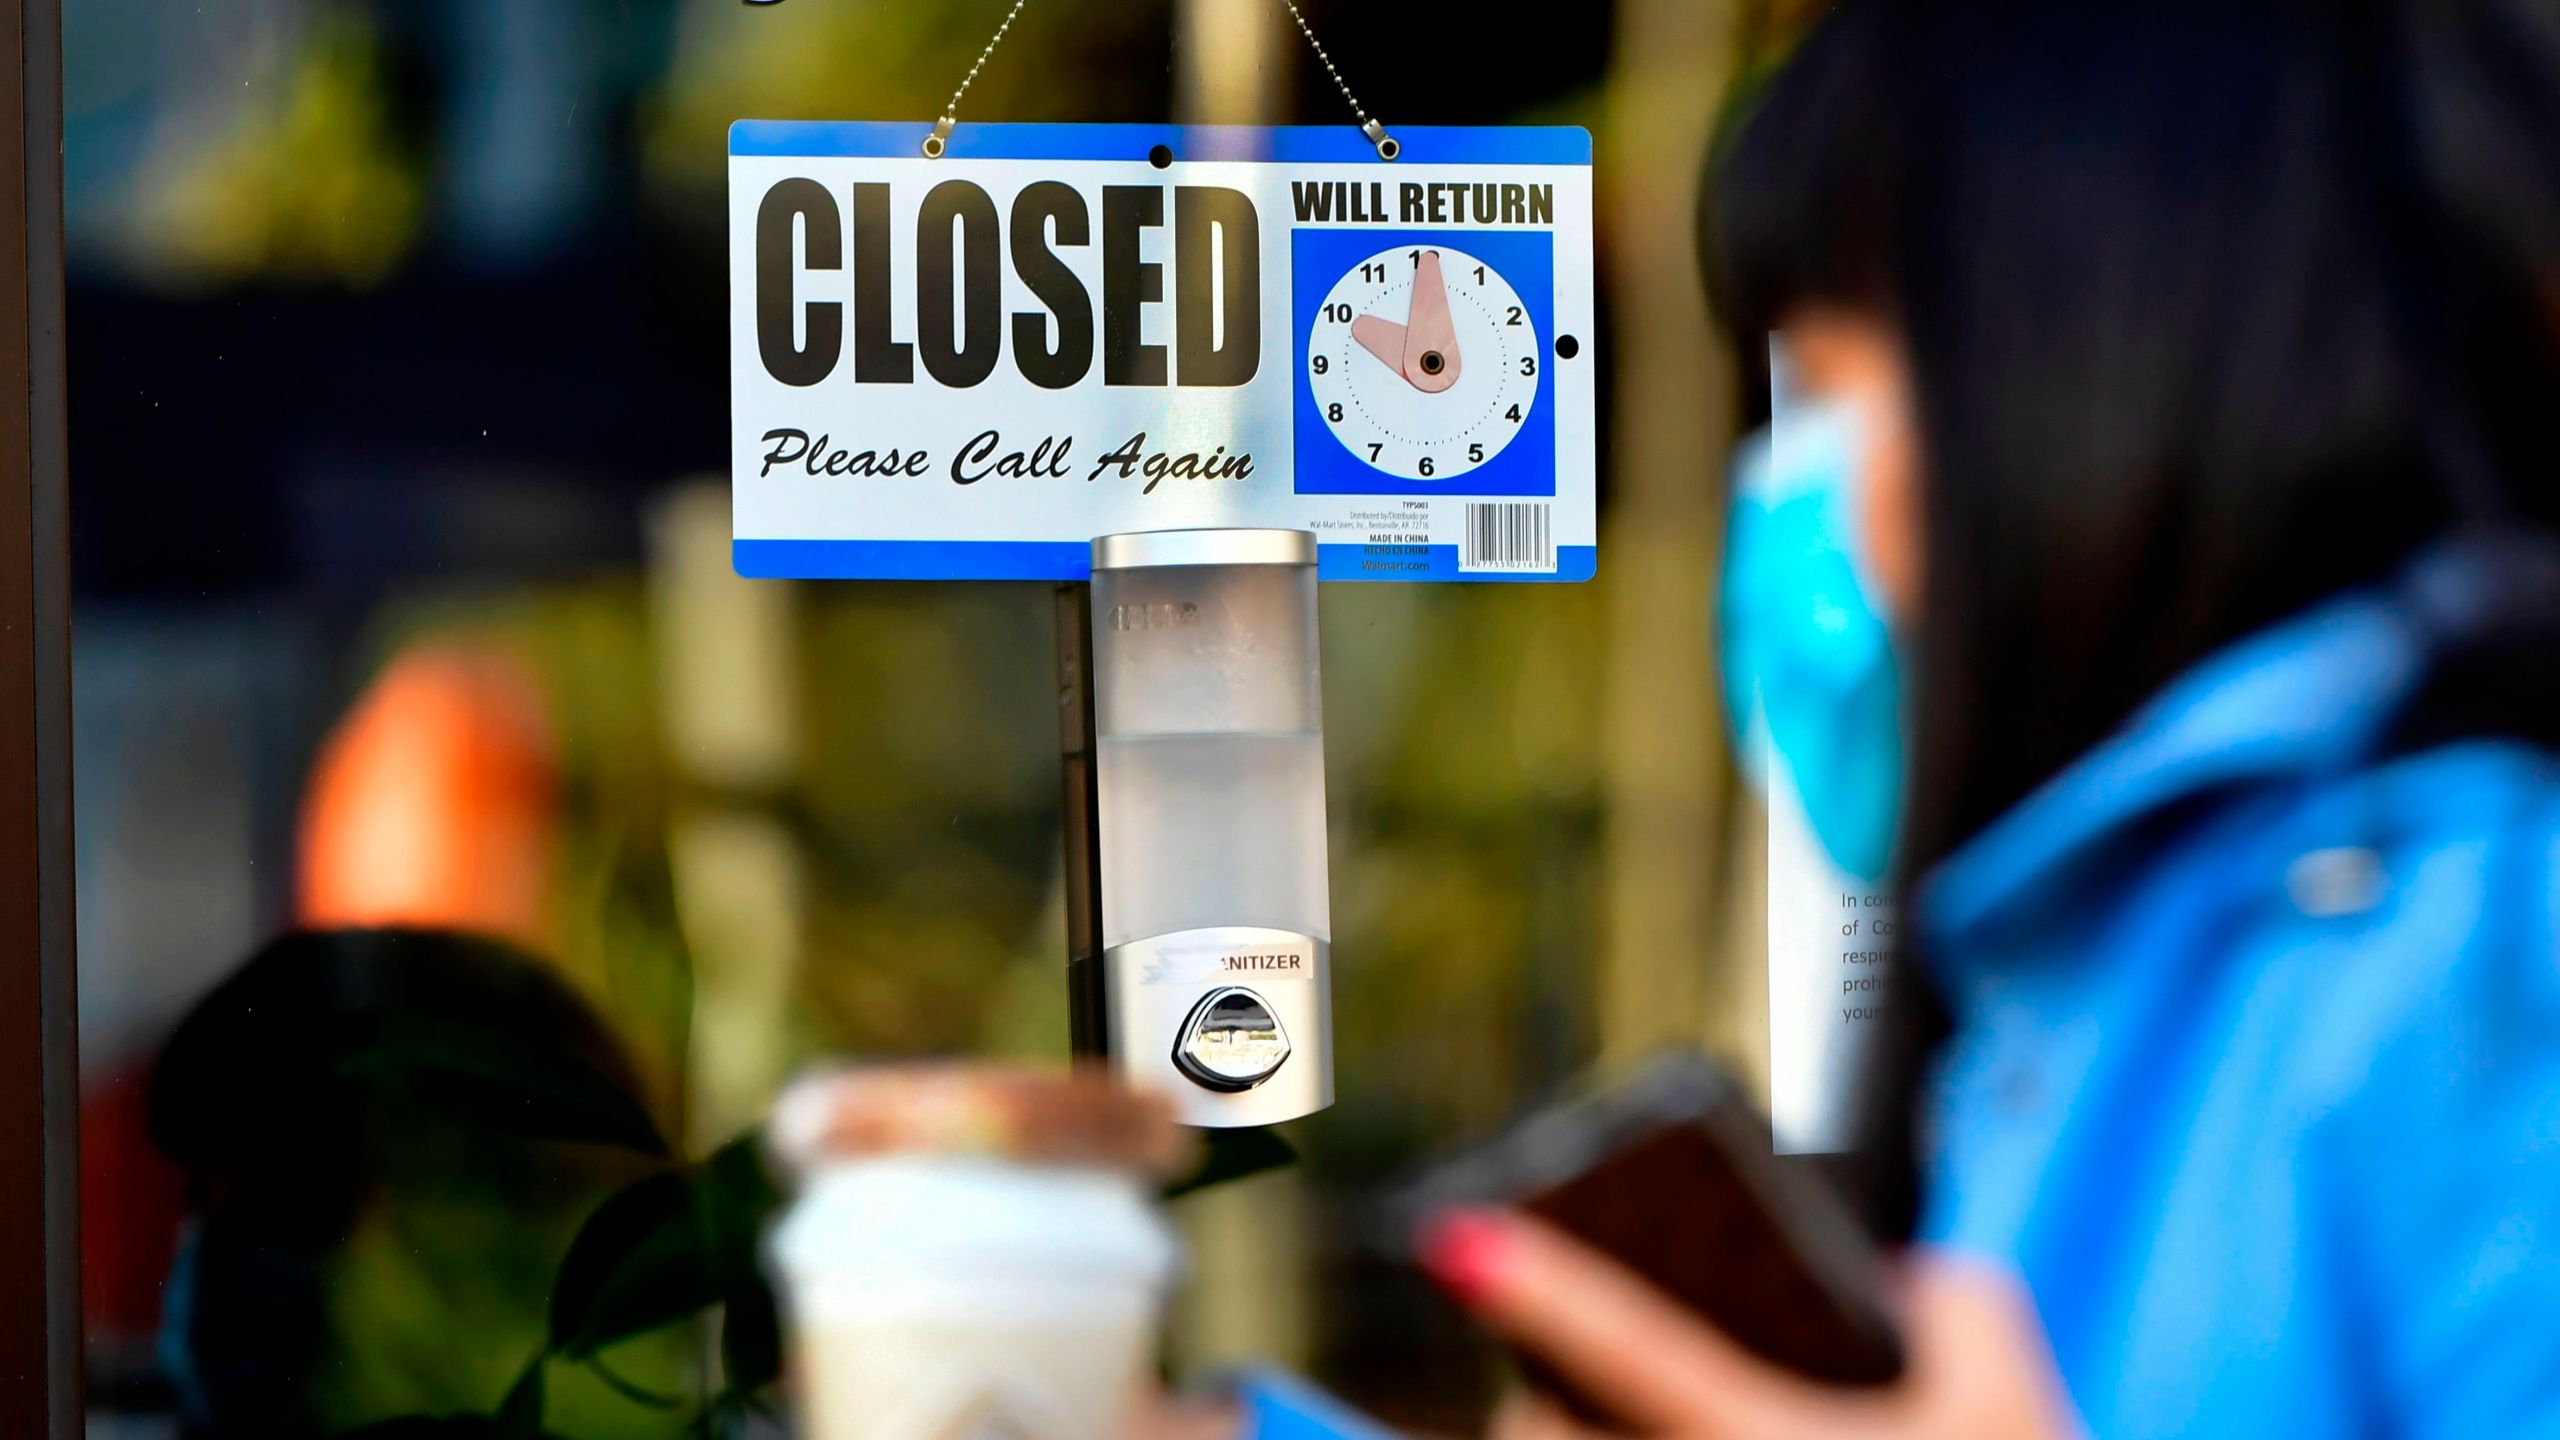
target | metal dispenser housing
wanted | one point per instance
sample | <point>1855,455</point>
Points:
<point>1209,785</point>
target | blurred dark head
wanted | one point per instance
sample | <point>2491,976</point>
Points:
<point>332,1059</point>
<point>2212,308</point>
<point>446,1086</point>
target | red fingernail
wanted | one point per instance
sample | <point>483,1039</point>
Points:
<point>1466,1251</point>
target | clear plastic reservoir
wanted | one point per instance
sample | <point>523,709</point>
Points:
<point>1208,721</point>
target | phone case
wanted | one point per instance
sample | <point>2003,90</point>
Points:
<point>1673,1174</point>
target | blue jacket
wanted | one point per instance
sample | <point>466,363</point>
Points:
<point>2256,1078</point>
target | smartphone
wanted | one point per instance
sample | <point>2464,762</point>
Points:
<point>1672,1173</point>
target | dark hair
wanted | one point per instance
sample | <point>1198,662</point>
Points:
<point>2214,308</point>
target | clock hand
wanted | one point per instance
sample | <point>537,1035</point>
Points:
<point>1382,338</point>
<point>1430,339</point>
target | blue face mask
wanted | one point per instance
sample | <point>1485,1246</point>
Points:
<point>1809,667</point>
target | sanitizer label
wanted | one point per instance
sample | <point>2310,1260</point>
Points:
<point>967,368</point>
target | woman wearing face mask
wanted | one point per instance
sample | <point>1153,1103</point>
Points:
<point>2151,577</point>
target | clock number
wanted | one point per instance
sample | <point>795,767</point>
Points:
<point>1515,316</point>
<point>1426,467</point>
<point>1339,314</point>
<point>1374,448</point>
<point>1475,453</point>
<point>1479,274</point>
<point>1373,272</point>
<point>1417,259</point>
<point>1333,412</point>
<point>1322,364</point>
<point>1512,415</point>
<point>1528,364</point>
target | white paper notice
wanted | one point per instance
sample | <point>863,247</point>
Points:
<point>1831,943</point>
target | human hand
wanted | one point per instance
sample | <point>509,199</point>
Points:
<point>1979,1365</point>
<point>1161,1416</point>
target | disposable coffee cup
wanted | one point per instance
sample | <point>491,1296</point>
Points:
<point>973,1255</point>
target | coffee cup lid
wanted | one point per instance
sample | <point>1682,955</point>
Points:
<point>1080,1116</point>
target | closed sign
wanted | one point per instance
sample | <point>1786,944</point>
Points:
<point>967,368</point>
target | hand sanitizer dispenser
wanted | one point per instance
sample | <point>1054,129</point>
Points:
<point>1209,785</point>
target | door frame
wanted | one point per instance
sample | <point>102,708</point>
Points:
<point>40,1328</point>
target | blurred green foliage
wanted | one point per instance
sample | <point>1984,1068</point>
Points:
<point>310,181</point>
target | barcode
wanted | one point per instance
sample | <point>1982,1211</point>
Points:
<point>1506,537</point>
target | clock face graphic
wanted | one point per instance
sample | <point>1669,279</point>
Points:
<point>1424,362</point>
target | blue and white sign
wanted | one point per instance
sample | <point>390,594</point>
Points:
<point>967,368</point>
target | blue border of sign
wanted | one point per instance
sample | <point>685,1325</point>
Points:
<point>1325,466</point>
<point>1303,144</point>
<point>1072,560</point>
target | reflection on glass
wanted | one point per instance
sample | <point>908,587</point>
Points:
<point>465,854</point>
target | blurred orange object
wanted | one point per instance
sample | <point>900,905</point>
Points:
<point>434,803</point>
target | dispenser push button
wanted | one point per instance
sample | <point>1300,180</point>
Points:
<point>1230,1022</point>
<point>1231,1041</point>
